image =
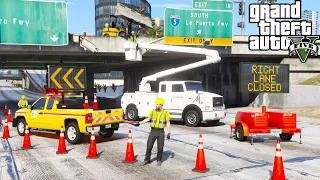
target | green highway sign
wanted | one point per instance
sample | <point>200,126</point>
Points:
<point>213,4</point>
<point>33,22</point>
<point>194,26</point>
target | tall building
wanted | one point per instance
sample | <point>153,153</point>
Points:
<point>311,16</point>
<point>159,22</point>
<point>103,8</point>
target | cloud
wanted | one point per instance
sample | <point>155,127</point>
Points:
<point>171,5</point>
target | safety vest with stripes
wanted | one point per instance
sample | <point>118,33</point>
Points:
<point>161,119</point>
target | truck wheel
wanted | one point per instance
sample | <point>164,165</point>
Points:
<point>122,34</point>
<point>240,134</point>
<point>21,126</point>
<point>73,134</point>
<point>132,113</point>
<point>106,133</point>
<point>285,136</point>
<point>192,118</point>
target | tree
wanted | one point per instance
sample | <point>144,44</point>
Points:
<point>152,31</point>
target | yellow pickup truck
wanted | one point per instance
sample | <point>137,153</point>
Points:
<point>52,112</point>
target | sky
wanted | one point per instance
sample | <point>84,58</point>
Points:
<point>81,13</point>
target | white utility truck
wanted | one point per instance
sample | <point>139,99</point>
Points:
<point>185,100</point>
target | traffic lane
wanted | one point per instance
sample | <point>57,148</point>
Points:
<point>74,164</point>
<point>12,93</point>
<point>179,156</point>
<point>10,96</point>
<point>299,159</point>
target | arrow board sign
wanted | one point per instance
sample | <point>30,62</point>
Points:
<point>67,78</point>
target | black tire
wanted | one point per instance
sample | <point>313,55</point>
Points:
<point>106,35</point>
<point>192,118</point>
<point>240,134</point>
<point>73,134</point>
<point>106,133</point>
<point>285,136</point>
<point>122,34</point>
<point>21,126</point>
<point>132,113</point>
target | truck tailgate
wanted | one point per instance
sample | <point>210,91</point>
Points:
<point>109,116</point>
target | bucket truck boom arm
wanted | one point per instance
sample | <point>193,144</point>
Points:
<point>134,52</point>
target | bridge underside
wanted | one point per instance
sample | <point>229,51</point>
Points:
<point>221,78</point>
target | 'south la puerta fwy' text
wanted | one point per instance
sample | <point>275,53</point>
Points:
<point>202,19</point>
<point>273,33</point>
<point>264,79</point>
<point>14,21</point>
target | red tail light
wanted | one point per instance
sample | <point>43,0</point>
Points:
<point>225,114</point>
<point>89,118</point>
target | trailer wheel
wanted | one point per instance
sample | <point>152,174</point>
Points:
<point>285,136</point>
<point>240,134</point>
<point>192,118</point>
<point>132,113</point>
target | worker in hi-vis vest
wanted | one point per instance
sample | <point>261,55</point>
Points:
<point>160,118</point>
<point>23,103</point>
<point>133,37</point>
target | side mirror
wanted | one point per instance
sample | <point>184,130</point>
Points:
<point>29,107</point>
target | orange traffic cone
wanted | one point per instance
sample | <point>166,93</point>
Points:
<point>86,103</point>
<point>95,103</point>
<point>9,118</point>
<point>26,141</point>
<point>130,152</point>
<point>93,148</point>
<point>200,161</point>
<point>6,133</point>
<point>84,32</point>
<point>62,143</point>
<point>5,111</point>
<point>278,170</point>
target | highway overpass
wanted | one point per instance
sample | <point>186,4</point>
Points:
<point>221,78</point>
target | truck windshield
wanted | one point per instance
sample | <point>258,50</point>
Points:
<point>193,86</point>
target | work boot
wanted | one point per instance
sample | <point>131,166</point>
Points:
<point>159,163</point>
<point>144,163</point>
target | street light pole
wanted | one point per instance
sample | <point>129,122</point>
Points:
<point>242,20</point>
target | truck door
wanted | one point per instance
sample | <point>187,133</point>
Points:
<point>177,100</point>
<point>36,117</point>
<point>49,118</point>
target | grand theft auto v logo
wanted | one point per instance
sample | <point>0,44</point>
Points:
<point>290,34</point>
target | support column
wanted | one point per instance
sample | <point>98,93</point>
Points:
<point>90,86</point>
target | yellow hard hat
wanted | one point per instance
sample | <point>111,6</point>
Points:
<point>159,101</point>
<point>23,96</point>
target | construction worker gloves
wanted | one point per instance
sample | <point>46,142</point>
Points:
<point>168,136</point>
<point>137,124</point>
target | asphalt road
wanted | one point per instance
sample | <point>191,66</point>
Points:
<point>226,157</point>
